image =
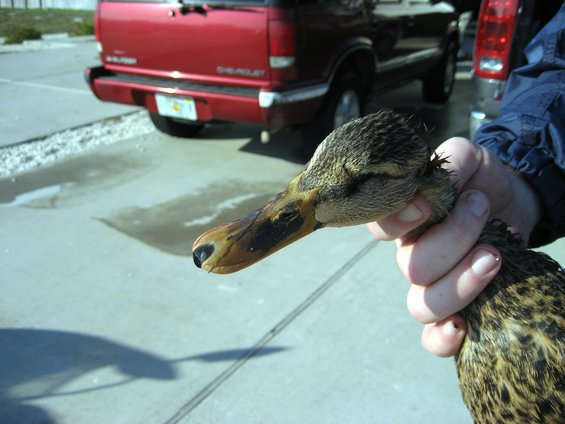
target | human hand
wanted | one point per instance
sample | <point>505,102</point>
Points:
<point>445,266</point>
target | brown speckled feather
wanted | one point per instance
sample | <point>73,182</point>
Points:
<point>511,367</point>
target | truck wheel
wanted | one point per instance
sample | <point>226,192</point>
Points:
<point>344,102</point>
<point>175,128</point>
<point>437,87</point>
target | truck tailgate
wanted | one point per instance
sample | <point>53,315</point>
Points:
<point>207,43</point>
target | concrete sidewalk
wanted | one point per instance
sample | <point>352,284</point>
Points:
<point>43,90</point>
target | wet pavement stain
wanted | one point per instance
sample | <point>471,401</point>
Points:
<point>63,183</point>
<point>173,226</point>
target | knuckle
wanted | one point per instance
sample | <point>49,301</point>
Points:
<point>417,307</point>
<point>409,268</point>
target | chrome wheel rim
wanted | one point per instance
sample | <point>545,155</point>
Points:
<point>347,108</point>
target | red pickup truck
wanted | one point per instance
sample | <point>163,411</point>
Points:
<point>309,64</point>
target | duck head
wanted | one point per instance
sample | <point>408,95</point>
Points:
<point>364,171</point>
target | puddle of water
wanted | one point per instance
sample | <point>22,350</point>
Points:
<point>64,182</point>
<point>231,203</point>
<point>49,193</point>
<point>173,226</point>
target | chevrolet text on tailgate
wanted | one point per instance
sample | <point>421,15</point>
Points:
<point>308,64</point>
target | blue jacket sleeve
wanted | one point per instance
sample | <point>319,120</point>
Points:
<point>529,134</point>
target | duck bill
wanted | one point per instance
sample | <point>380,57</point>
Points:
<point>232,247</point>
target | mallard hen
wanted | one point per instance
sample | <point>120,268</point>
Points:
<point>511,366</point>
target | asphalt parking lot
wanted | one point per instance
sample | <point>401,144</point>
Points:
<point>105,319</point>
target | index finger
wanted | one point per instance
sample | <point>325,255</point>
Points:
<point>401,223</point>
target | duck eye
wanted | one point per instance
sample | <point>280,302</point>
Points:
<point>363,178</point>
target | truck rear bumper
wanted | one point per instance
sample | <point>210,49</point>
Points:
<point>270,108</point>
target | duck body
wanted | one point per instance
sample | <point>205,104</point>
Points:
<point>511,366</point>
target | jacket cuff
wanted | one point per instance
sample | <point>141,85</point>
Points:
<point>545,177</point>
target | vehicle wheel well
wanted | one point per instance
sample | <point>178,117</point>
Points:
<point>360,63</point>
<point>344,101</point>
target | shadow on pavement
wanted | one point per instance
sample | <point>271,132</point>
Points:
<point>443,121</point>
<point>37,364</point>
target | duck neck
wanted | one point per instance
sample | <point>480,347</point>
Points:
<point>438,190</point>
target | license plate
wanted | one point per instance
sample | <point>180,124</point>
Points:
<point>176,107</point>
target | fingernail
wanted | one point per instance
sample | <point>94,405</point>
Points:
<point>410,213</point>
<point>449,328</point>
<point>478,203</point>
<point>484,262</point>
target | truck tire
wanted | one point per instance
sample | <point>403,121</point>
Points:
<point>175,128</point>
<point>344,102</point>
<point>437,87</point>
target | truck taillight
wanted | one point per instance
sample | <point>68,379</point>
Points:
<point>282,44</point>
<point>497,20</point>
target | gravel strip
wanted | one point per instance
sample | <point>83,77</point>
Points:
<point>47,42</point>
<point>45,150</point>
